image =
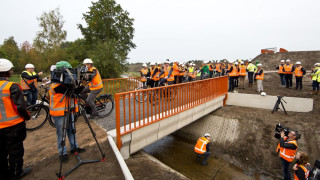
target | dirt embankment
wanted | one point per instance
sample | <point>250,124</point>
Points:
<point>307,58</point>
<point>255,147</point>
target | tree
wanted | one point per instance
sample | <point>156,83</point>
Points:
<point>110,27</point>
<point>51,36</point>
<point>10,50</point>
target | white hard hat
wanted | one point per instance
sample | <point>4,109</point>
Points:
<point>205,62</point>
<point>87,61</point>
<point>144,65</point>
<point>242,62</point>
<point>236,63</point>
<point>249,61</point>
<point>29,66</point>
<point>263,94</point>
<point>152,64</point>
<point>316,64</point>
<point>159,63</point>
<point>282,60</point>
<point>53,67</point>
<point>207,135</point>
<point>298,62</point>
<point>5,65</point>
<point>288,60</point>
<point>259,64</point>
<point>166,62</point>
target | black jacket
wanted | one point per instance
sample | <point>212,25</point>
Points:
<point>25,75</point>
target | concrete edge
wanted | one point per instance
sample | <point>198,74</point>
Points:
<point>125,170</point>
<point>162,164</point>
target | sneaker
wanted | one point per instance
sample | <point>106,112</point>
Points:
<point>64,158</point>
<point>78,149</point>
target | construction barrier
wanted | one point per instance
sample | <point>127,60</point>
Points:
<point>136,109</point>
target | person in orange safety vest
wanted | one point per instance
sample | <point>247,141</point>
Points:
<point>242,74</point>
<point>168,74</point>
<point>94,88</point>
<point>302,167</point>
<point>13,114</point>
<point>288,69</point>
<point>259,76</point>
<point>287,149</point>
<point>202,148</point>
<point>281,73</point>
<point>299,71</point>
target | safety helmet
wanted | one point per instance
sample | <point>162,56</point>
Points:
<point>152,64</point>
<point>159,63</point>
<point>5,65</point>
<point>166,62</point>
<point>282,60</point>
<point>316,64</point>
<point>298,62</point>
<point>207,135</point>
<point>144,65</point>
<point>87,61</point>
<point>259,64</point>
<point>242,62</point>
<point>29,66</point>
<point>236,63</point>
<point>63,64</point>
<point>288,60</point>
<point>249,61</point>
<point>53,67</point>
<point>263,94</point>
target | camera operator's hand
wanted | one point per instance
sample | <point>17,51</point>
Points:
<point>40,73</point>
<point>295,167</point>
<point>282,134</point>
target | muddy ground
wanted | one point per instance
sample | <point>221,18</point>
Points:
<point>255,149</point>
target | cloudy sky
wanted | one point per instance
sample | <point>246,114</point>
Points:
<point>186,29</point>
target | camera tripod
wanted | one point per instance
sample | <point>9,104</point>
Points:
<point>69,122</point>
<point>276,106</point>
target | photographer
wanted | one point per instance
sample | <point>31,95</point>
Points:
<point>287,149</point>
<point>94,88</point>
<point>28,82</point>
<point>58,110</point>
<point>302,168</point>
<point>12,125</point>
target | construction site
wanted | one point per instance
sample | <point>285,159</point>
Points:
<point>242,130</point>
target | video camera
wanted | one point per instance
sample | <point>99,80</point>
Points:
<point>279,128</point>
<point>69,76</point>
<point>315,172</point>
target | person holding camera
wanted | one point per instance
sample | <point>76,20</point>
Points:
<point>202,148</point>
<point>13,114</point>
<point>287,149</point>
<point>28,82</point>
<point>59,106</point>
<point>94,88</point>
<point>302,168</point>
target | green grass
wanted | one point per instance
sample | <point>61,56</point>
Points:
<point>15,78</point>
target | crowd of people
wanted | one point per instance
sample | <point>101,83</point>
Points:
<point>161,73</point>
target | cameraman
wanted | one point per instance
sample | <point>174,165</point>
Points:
<point>94,88</point>
<point>58,110</point>
<point>287,149</point>
<point>12,125</point>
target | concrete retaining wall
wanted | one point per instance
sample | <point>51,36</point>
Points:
<point>140,138</point>
<point>268,102</point>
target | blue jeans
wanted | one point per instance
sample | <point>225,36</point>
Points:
<point>315,85</point>
<point>286,169</point>
<point>58,120</point>
<point>32,96</point>
<point>282,79</point>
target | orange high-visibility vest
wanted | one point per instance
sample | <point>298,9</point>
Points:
<point>166,73</point>
<point>243,70</point>
<point>162,76</point>
<point>234,71</point>
<point>96,82</point>
<point>237,72</point>
<point>210,67</point>
<point>306,168</point>
<point>175,68</point>
<point>287,154</point>
<point>144,72</point>
<point>155,77</point>
<point>201,146</point>
<point>298,72</point>
<point>58,108</point>
<point>218,68</point>
<point>23,83</point>
<point>288,69</point>
<point>281,70</point>
<point>260,77</point>
<point>8,115</point>
<point>181,71</point>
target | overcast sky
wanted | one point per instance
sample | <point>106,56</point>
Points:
<point>186,29</point>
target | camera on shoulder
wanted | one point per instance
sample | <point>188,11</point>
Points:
<point>279,128</point>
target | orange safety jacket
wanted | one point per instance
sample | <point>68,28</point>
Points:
<point>218,68</point>
<point>261,76</point>
<point>181,71</point>
<point>96,82</point>
<point>161,69</point>
<point>166,73</point>
<point>155,78</point>
<point>210,67</point>
<point>201,146</point>
<point>243,70</point>
<point>144,72</point>
<point>306,168</point>
<point>281,70</point>
<point>287,154</point>
<point>234,71</point>
<point>288,69</point>
<point>58,108</point>
<point>298,72</point>
<point>23,81</point>
<point>8,114</point>
<point>175,69</point>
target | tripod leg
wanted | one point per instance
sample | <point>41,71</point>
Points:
<point>276,107</point>
<point>92,132</point>
<point>284,109</point>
